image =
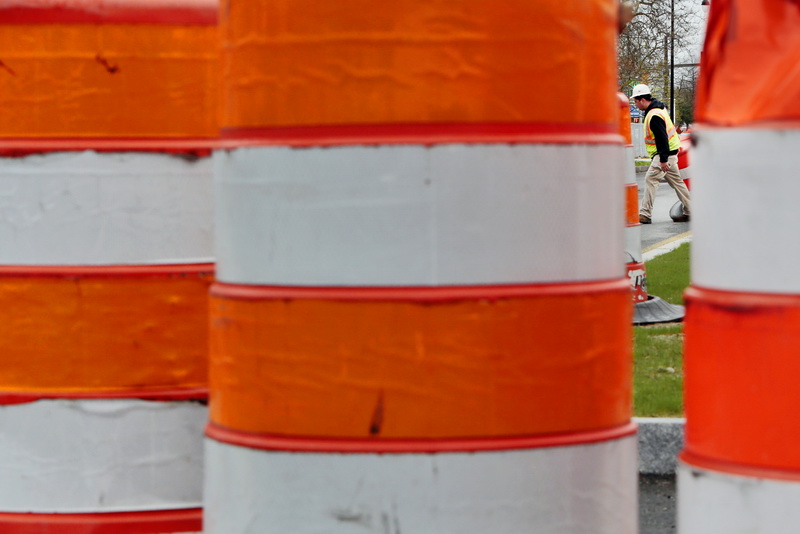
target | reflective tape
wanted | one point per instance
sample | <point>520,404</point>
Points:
<point>740,368</point>
<point>426,363</point>
<point>632,206</point>
<point>713,501</point>
<point>88,208</point>
<point>633,243</point>
<point>750,53</point>
<point>470,493</point>
<point>100,456</point>
<point>745,212</point>
<point>416,215</point>
<point>316,63</point>
<point>96,80</point>
<point>90,331</point>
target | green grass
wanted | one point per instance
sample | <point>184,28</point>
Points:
<point>642,163</point>
<point>668,275</point>
<point>658,371</point>
<point>658,349</point>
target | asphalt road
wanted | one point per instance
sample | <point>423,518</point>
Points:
<point>662,227</point>
<point>657,507</point>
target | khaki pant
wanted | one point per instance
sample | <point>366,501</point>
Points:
<point>673,177</point>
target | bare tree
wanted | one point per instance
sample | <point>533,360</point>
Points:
<point>685,86</point>
<point>645,44</point>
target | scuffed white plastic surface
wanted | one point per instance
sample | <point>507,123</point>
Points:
<point>586,489</point>
<point>401,215</point>
<point>84,456</point>
<point>713,502</point>
<point>633,234</point>
<point>633,244</point>
<point>630,165</point>
<point>89,208</point>
<point>745,218</point>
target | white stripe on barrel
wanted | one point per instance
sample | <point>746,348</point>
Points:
<point>398,215</point>
<point>105,208</point>
<point>100,456</point>
<point>749,216</point>
<point>713,501</point>
<point>489,491</point>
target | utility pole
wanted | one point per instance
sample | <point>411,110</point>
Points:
<point>672,64</point>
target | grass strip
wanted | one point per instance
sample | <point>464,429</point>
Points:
<point>658,371</point>
<point>668,274</point>
<point>658,349</point>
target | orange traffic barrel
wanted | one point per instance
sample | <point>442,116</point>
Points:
<point>108,112</point>
<point>420,320</point>
<point>685,158</point>
<point>685,168</point>
<point>634,264</point>
<point>740,469</point>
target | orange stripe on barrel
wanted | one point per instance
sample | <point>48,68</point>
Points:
<point>741,379</point>
<point>86,330</point>
<point>437,363</point>
<point>625,119</point>
<point>108,80</point>
<point>308,62</point>
<point>632,204</point>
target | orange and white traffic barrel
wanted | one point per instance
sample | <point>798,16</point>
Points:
<point>420,320</point>
<point>108,112</point>
<point>740,469</point>
<point>685,159</point>
<point>685,168</point>
<point>634,264</point>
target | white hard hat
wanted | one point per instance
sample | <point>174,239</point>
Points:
<point>640,90</point>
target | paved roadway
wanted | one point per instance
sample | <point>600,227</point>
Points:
<point>657,506</point>
<point>663,227</point>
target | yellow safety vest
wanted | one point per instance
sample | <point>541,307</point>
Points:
<point>672,133</point>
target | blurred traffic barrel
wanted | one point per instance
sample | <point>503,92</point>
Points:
<point>740,469</point>
<point>420,320</point>
<point>634,265</point>
<point>685,159</point>
<point>685,168</point>
<point>107,116</point>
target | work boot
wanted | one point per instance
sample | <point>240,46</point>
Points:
<point>681,218</point>
<point>646,220</point>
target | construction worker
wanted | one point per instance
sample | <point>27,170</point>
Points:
<point>661,139</point>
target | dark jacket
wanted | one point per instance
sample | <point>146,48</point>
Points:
<point>659,129</point>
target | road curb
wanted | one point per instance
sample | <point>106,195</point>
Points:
<point>665,246</point>
<point>660,441</point>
